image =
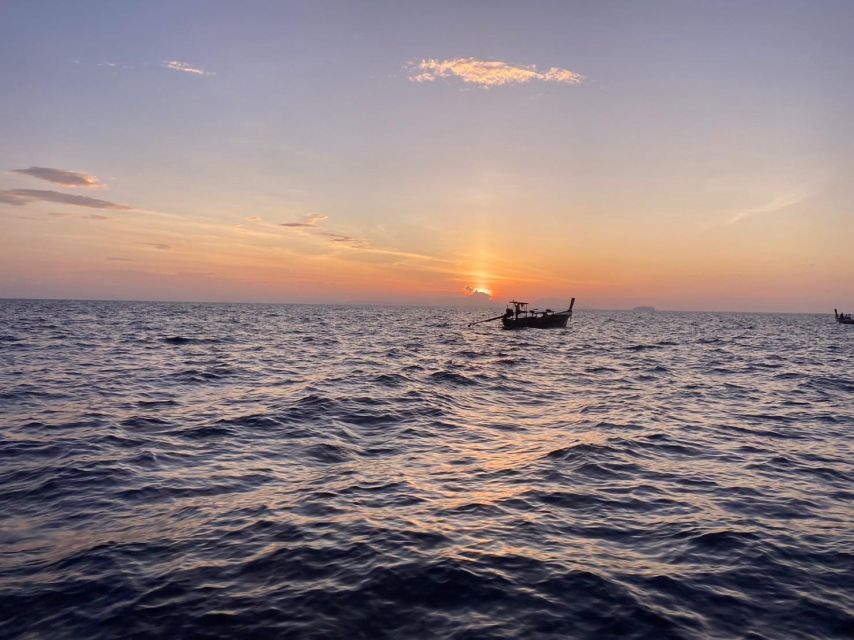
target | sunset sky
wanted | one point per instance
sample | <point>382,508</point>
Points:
<point>687,155</point>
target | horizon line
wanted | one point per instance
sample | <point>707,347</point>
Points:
<point>461,304</point>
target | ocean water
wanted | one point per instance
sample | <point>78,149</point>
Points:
<point>214,470</point>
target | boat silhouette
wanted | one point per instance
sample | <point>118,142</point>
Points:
<point>520,317</point>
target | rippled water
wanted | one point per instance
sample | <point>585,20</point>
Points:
<point>192,470</point>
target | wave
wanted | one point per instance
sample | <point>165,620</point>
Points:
<point>219,471</point>
<point>182,340</point>
<point>449,377</point>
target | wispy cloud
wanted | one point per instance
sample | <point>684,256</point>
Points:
<point>488,73</point>
<point>63,176</point>
<point>184,67</point>
<point>155,245</point>
<point>96,216</point>
<point>777,204</point>
<point>21,197</point>
<point>118,259</point>
<point>350,241</point>
<point>309,221</point>
<point>312,224</point>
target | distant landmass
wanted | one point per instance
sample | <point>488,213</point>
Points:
<point>645,309</point>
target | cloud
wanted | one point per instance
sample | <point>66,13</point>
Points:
<point>21,197</point>
<point>177,65</point>
<point>96,216</point>
<point>63,176</point>
<point>343,239</point>
<point>777,204</point>
<point>488,73</point>
<point>473,294</point>
<point>10,199</point>
<point>155,245</point>
<point>255,219</point>
<point>310,221</point>
<point>312,224</point>
<point>118,259</point>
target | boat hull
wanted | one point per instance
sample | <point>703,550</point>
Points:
<point>553,321</point>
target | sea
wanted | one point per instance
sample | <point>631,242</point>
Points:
<point>184,470</point>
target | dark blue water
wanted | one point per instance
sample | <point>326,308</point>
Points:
<point>191,470</point>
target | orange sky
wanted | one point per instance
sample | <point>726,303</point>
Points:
<point>245,156</point>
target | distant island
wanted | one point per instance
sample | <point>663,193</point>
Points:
<point>645,309</point>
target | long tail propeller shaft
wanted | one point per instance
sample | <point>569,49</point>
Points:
<point>471,324</point>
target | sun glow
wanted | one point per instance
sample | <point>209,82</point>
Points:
<point>479,290</point>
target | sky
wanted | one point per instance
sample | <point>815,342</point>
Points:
<point>685,155</point>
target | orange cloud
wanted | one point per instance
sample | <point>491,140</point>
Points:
<point>488,73</point>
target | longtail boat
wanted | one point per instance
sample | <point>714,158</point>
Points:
<point>843,318</point>
<point>520,317</point>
